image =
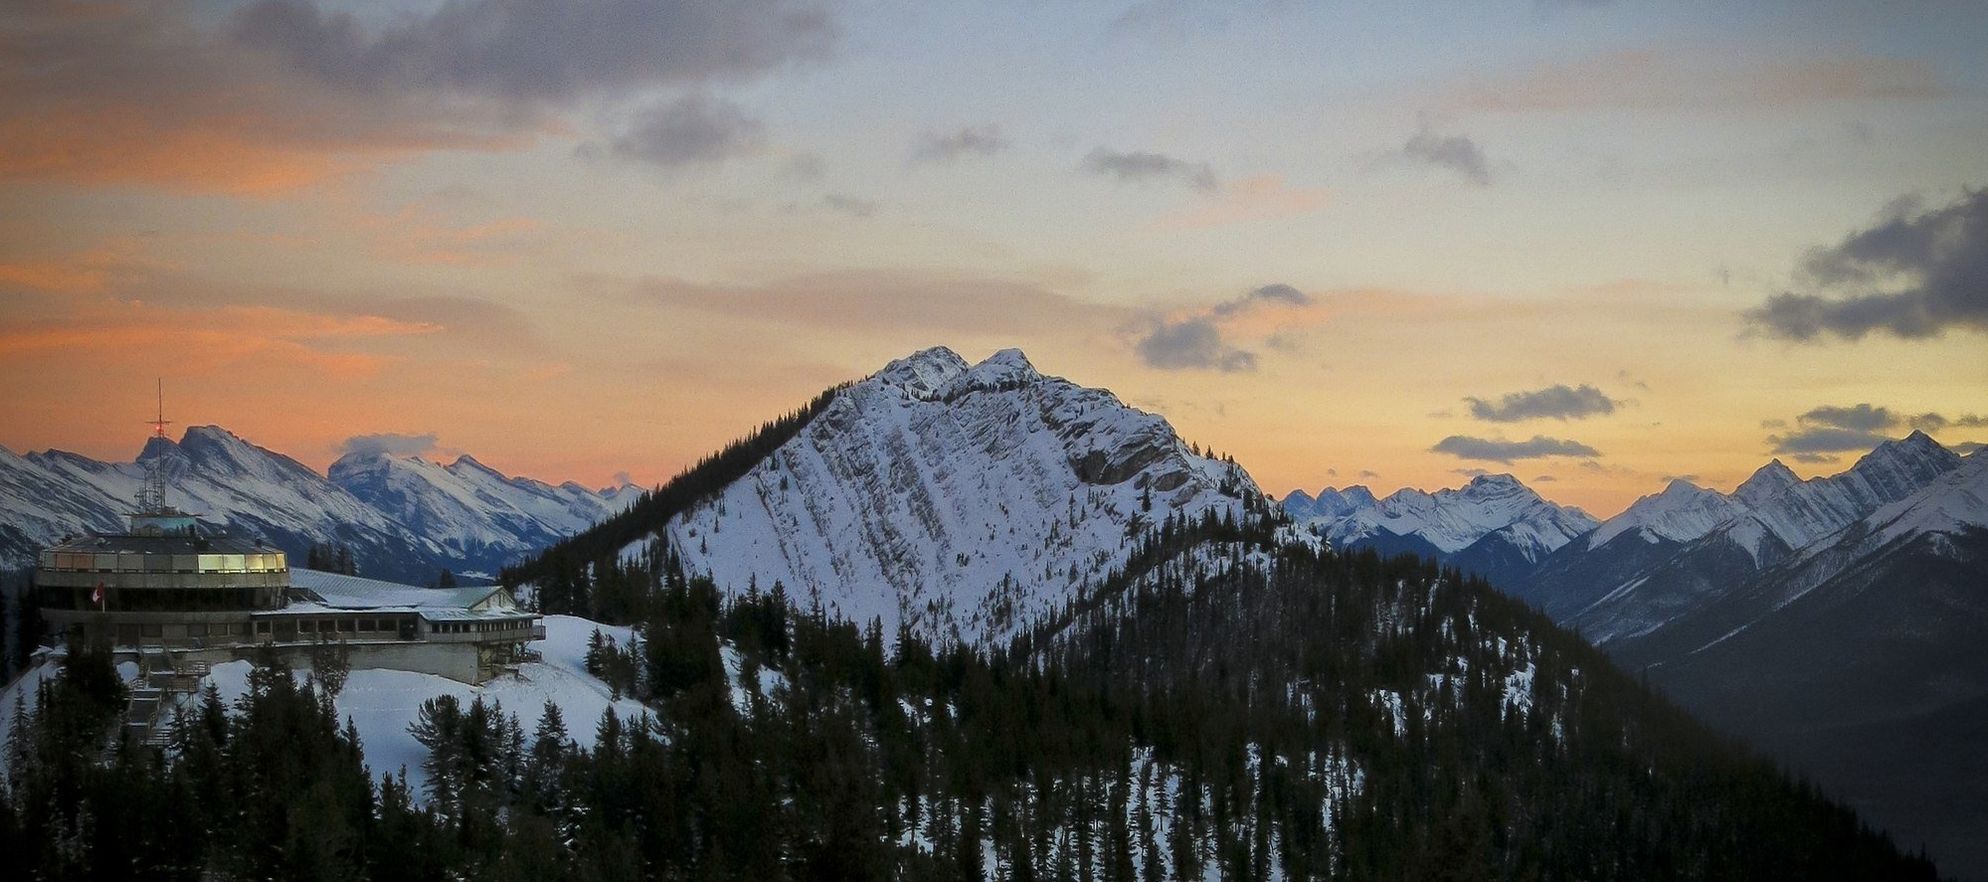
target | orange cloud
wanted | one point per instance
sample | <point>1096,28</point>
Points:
<point>110,147</point>
<point>205,339</point>
<point>1264,197</point>
<point>60,277</point>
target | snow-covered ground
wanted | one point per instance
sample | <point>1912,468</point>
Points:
<point>381,703</point>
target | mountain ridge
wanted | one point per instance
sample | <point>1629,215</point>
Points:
<point>228,480</point>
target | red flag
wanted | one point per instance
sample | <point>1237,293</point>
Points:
<point>97,596</point>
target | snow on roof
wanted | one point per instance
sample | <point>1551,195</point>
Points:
<point>340,591</point>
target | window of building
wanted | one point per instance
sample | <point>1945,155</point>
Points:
<point>154,630</point>
<point>365,624</point>
<point>345,625</point>
<point>196,629</point>
<point>262,627</point>
<point>306,625</point>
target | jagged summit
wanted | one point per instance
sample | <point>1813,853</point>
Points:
<point>259,494</point>
<point>1770,479</point>
<point>938,373</point>
<point>1496,508</point>
<point>1682,511</point>
<point>958,499</point>
<point>924,373</point>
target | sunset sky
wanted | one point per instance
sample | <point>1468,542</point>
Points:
<point>1594,244</point>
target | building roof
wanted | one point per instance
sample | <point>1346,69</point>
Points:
<point>335,591</point>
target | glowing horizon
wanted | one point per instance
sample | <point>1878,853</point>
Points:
<point>1593,245</point>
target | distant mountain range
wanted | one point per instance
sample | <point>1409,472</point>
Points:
<point>1836,622</point>
<point>403,517</point>
<point>1495,525</point>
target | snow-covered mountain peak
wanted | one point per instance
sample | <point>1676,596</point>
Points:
<point>155,446</point>
<point>1915,456</point>
<point>956,499</point>
<point>1449,519</point>
<point>415,517</point>
<point>1006,369</point>
<point>1681,512</point>
<point>1503,482</point>
<point>1957,501</point>
<point>1766,482</point>
<point>923,375</point>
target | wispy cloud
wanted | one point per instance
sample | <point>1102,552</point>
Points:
<point>978,140</point>
<point>1140,166</point>
<point>692,130</point>
<point>1501,450</point>
<point>1195,341</point>
<point>1559,402</point>
<point>389,443</point>
<point>1457,153</point>
<point>1824,440</point>
<point>850,205</point>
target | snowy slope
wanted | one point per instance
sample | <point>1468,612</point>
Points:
<point>471,511</point>
<point>1515,525</point>
<point>964,499</point>
<point>382,703</point>
<point>255,492</point>
<point>1673,551</point>
<point>1681,513</point>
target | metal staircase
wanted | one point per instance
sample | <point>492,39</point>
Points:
<point>164,677</point>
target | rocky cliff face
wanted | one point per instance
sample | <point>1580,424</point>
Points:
<point>959,499</point>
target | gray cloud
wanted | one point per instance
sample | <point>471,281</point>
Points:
<point>1824,440</point>
<point>1544,479</point>
<point>1871,418</point>
<point>981,140</point>
<point>390,443</point>
<point>850,205</point>
<point>1967,448</point>
<point>1860,417</point>
<point>1196,342</point>
<point>1272,293</point>
<point>1458,153</point>
<point>1817,458</point>
<point>1915,274</point>
<point>540,50</point>
<point>1500,450</point>
<point>805,167</point>
<point>1559,402</point>
<point>1140,165</point>
<point>1369,473</point>
<point>688,131</point>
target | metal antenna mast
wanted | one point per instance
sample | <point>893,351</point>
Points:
<point>152,497</point>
